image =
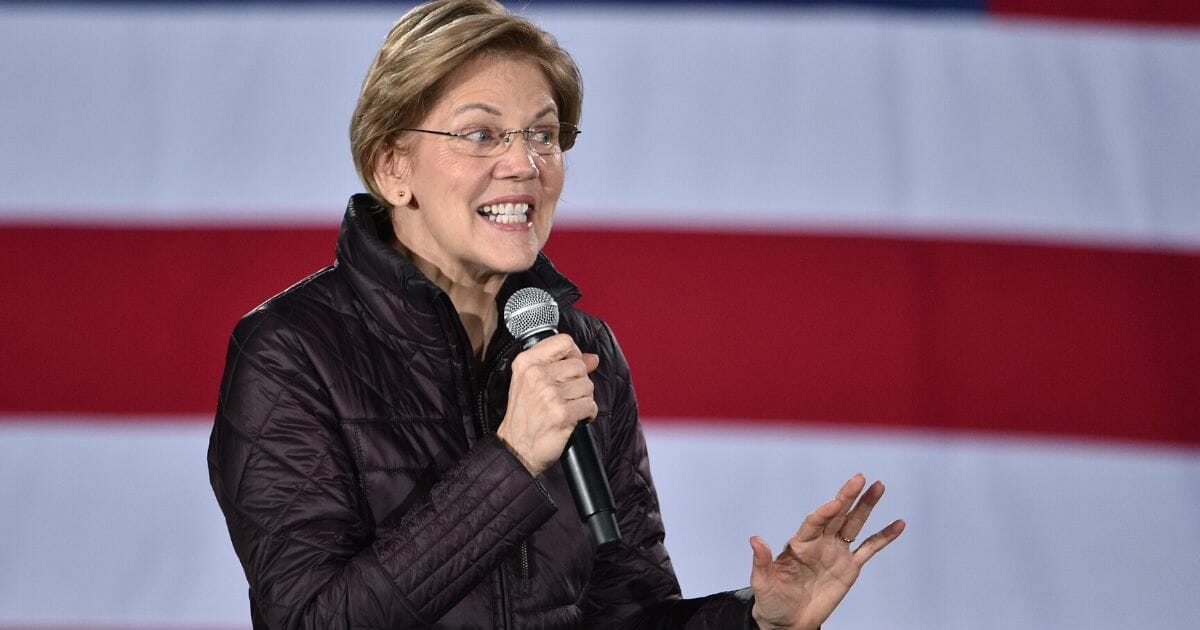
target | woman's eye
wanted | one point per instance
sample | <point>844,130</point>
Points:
<point>482,135</point>
<point>543,135</point>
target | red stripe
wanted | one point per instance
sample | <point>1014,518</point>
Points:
<point>972,335</point>
<point>134,320</point>
<point>1155,12</point>
<point>874,331</point>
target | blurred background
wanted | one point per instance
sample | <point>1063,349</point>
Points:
<point>952,245</point>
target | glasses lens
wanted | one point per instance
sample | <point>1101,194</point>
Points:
<point>488,142</point>
<point>550,139</point>
<point>478,141</point>
<point>543,139</point>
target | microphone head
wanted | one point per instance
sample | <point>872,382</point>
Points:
<point>529,313</point>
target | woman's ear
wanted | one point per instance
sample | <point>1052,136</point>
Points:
<point>392,177</point>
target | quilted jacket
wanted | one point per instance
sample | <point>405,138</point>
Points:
<point>354,456</point>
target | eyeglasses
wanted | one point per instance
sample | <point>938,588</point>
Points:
<point>547,139</point>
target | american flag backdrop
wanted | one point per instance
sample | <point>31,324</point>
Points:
<point>949,245</point>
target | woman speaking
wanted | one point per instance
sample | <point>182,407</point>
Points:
<point>385,454</point>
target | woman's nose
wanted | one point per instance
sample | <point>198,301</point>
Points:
<point>520,161</point>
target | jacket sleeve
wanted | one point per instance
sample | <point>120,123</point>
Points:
<point>285,479</point>
<point>633,584</point>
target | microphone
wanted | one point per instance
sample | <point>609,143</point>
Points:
<point>531,315</point>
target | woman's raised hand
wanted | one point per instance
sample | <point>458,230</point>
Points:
<point>549,394</point>
<point>800,588</point>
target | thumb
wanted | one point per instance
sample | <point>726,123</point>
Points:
<point>762,555</point>
<point>591,361</point>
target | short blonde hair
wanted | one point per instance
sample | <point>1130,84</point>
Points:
<point>428,44</point>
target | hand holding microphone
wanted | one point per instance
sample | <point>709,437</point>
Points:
<point>549,394</point>
<point>549,400</point>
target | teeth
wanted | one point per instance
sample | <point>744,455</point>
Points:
<point>506,212</point>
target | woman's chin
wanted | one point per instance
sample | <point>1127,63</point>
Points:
<point>503,263</point>
<point>516,255</point>
<point>517,264</point>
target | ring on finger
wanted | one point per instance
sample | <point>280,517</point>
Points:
<point>845,540</point>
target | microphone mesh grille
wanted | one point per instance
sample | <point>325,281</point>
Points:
<point>529,310</point>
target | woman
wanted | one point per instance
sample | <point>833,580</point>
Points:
<point>384,456</point>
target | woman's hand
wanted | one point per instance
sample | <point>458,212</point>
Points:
<point>550,393</point>
<point>800,588</point>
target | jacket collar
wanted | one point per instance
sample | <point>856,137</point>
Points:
<point>396,292</point>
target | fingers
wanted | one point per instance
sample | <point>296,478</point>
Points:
<point>551,349</point>
<point>556,359</point>
<point>562,381</point>
<point>557,369</point>
<point>577,398</point>
<point>861,511</point>
<point>877,541</point>
<point>561,354</point>
<point>848,524</point>
<point>845,498</point>
<point>814,524</point>
<point>828,518</point>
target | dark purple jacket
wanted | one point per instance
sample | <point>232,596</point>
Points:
<point>355,458</point>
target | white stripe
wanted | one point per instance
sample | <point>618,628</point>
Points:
<point>749,118</point>
<point>1000,533</point>
<point>107,523</point>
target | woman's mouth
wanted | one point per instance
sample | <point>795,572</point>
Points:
<point>507,213</point>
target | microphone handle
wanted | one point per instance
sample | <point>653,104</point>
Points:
<point>589,486</point>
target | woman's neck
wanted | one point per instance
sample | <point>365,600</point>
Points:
<point>474,299</point>
<point>478,314</point>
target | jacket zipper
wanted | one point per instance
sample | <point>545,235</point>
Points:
<point>524,566</point>
<point>481,410</point>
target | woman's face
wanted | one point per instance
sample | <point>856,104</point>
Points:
<point>450,218</point>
